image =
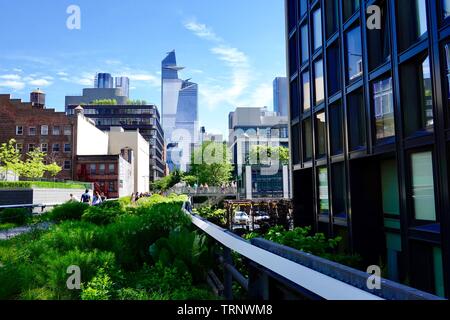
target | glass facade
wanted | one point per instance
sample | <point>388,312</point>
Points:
<point>371,146</point>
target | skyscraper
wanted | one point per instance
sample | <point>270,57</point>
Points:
<point>104,80</point>
<point>280,96</point>
<point>179,107</point>
<point>123,83</point>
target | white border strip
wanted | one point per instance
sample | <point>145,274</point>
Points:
<point>316,282</point>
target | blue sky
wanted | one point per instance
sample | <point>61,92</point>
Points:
<point>233,49</point>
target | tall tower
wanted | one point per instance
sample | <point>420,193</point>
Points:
<point>179,106</point>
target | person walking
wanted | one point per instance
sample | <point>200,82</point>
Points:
<point>73,198</point>
<point>86,197</point>
<point>97,200</point>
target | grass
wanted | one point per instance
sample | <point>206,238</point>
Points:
<point>42,185</point>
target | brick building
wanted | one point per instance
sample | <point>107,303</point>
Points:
<point>111,174</point>
<point>36,127</point>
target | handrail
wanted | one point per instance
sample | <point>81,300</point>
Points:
<point>315,281</point>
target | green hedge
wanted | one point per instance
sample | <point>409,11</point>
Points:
<point>42,185</point>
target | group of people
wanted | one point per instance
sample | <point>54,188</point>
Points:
<point>96,200</point>
<point>136,196</point>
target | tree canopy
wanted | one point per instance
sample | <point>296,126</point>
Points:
<point>211,164</point>
<point>33,167</point>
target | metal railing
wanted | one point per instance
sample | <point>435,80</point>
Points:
<point>304,275</point>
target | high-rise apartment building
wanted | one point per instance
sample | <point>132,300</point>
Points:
<point>179,108</point>
<point>280,96</point>
<point>370,141</point>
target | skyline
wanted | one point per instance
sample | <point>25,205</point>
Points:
<point>233,66</point>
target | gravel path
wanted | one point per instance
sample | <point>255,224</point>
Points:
<point>11,233</point>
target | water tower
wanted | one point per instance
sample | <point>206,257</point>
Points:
<point>37,98</point>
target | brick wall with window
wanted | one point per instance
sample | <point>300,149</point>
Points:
<point>38,128</point>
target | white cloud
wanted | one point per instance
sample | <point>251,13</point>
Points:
<point>13,77</point>
<point>11,84</point>
<point>202,31</point>
<point>113,62</point>
<point>40,83</point>
<point>237,87</point>
<point>18,70</point>
<point>62,74</point>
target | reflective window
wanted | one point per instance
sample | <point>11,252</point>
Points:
<point>306,96</point>
<point>350,7</point>
<point>339,191</point>
<point>378,41</point>
<point>383,108</point>
<point>447,72</point>
<point>321,134</point>
<point>32,131</point>
<point>334,69</point>
<point>303,7</point>
<point>356,121</point>
<point>423,186</point>
<point>317,24</point>
<point>293,54</point>
<point>417,95</point>
<point>354,54</point>
<point>319,86</point>
<point>307,140</point>
<point>304,44</point>
<point>324,203</point>
<point>412,21</point>
<point>295,110</point>
<point>446,8</point>
<point>336,129</point>
<point>332,16</point>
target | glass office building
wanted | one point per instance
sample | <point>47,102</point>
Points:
<point>370,131</point>
<point>104,81</point>
<point>179,108</point>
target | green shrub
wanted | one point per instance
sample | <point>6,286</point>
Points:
<point>131,235</point>
<point>133,294</point>
<point>101,287</point>
<point>37,294</point>
<point>101,215</point>
<point>68,211</point>
<point>113,204</point>
<point>52,269</point>
<point>187,251</point>
<point>67,236</point>
<point>17,216</point>
<point>125,201</point>
<point>41,184</point>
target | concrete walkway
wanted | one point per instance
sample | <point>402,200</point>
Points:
<point>11,233</point>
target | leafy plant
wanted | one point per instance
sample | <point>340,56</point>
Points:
<point>68,211</point>
<point>101,215</point>
<point>187,251</point>
<point>101,287</point>
<point>17,216</point>
<point>216,216</point>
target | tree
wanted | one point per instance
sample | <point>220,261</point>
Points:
<point>53,169</point>
<point>10,158</point>
<point>34,167</point>
<point>211,163</point>
<point>262,154</point>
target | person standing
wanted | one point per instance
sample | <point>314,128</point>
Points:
<point>86,197</point>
